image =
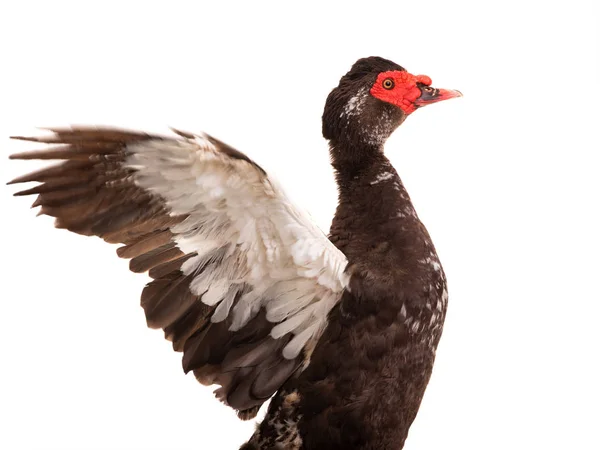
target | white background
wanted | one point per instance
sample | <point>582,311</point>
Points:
<point>506,180</point>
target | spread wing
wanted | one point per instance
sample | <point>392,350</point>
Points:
<point>242,281</point>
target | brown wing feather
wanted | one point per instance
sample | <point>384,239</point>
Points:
<point>145,244</point>
<point>91,193</point>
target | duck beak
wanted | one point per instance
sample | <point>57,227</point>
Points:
<point>431,95</point>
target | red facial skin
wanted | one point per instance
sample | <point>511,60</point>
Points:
<point>405,94</point>
<point>405,91</point>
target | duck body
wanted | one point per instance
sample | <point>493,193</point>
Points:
<point>369,370</point>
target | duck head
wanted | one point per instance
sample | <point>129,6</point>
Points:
<point>371,101</point>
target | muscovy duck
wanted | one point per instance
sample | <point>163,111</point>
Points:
<point>340,332</point>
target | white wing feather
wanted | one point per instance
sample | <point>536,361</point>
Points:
<point>295,272</point>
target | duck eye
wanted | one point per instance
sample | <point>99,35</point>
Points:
<point>388,83</point>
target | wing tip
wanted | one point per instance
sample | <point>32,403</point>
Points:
<point>21,155</point>
<point>27,138</point>
<point>21,179</point>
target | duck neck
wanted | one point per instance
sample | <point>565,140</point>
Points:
<point>372,199</point>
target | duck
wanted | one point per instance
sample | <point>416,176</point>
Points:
<point>339,331</point>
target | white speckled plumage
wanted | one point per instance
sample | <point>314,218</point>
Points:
<point>355,104</point>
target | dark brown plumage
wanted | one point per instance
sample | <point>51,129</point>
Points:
<point>365,360</point>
